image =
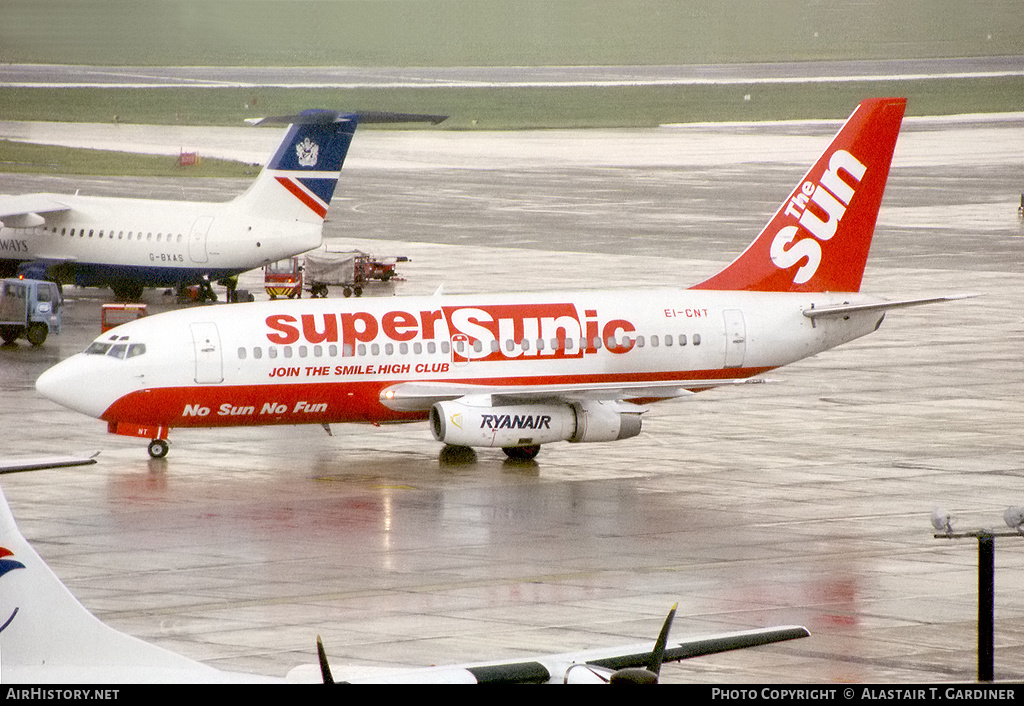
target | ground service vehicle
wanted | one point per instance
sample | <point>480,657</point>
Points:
<point>113,315</point>
<point>283,278</point>
<point>29,308</point>
<point>350,270</point>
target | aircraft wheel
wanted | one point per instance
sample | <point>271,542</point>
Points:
<point>158,448</point>
<point>457,455</point>
<point>522,453</point>
<point>37,333</point>
<point>358,291</point>
<point>10,334</point>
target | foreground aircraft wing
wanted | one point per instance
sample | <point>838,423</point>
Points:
<point>419,396</point>
<point>635,663</point>
<point>38,463</point>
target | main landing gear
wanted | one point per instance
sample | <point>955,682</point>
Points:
<point>158,448</point>
<point>461,455</point>
<point>522,453</point>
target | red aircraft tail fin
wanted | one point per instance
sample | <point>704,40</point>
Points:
<point>818,240</point>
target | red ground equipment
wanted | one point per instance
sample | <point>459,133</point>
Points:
<point>283,278</point>
<point>117,314</point>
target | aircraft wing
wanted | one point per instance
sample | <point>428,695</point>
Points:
<point>37,463</point>
<point>420,396</point>
<point>701,646</point>
<point>22,211</point>
<point>591,666</point>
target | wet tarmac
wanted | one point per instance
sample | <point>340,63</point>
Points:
<point>804,501</point>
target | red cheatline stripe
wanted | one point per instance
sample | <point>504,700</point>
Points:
<point>302,196</point>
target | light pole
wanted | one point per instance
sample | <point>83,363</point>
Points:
<point>1014,518</point>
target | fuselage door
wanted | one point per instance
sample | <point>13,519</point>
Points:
<point>197,239</point>
<point>460,349</point>
<point>206,343</point>
<point>735,338</point>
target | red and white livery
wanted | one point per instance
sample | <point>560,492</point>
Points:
<point>511,370</point>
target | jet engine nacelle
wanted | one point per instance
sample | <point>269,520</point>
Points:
<point>465,424</point>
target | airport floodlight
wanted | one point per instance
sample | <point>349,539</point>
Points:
<point>942,521</point>
<point>1014,518</point>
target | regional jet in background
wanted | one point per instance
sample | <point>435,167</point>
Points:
<point>511,370</point>
<point>47,636</point>
<point>128,244</point>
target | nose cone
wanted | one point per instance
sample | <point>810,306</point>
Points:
<point>76,384</point>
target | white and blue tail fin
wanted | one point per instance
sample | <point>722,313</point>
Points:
<point>299,180</point>
<point>46,635</point>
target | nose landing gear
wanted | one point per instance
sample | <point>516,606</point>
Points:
<point>158,448</point>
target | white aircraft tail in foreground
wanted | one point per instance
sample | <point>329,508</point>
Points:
<point>512,370</point>
<point>47,636</point>
<point>129,244</point>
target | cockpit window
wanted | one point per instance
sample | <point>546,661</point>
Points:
<point>116,350</point>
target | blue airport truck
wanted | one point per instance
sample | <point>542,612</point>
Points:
<point>31,308</point>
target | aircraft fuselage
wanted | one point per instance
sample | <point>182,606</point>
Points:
<point>102,240</point>
<point>330,361</point>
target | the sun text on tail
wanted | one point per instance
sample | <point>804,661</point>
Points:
<point>818,208</point>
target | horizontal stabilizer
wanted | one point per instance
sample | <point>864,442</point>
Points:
<point>846,309</point>
<point>326,117</point>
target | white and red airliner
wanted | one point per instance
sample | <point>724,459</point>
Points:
<point>511,370</point>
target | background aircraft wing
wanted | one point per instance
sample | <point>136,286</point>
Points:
<point>419,396</point>
<point>24,206</point>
